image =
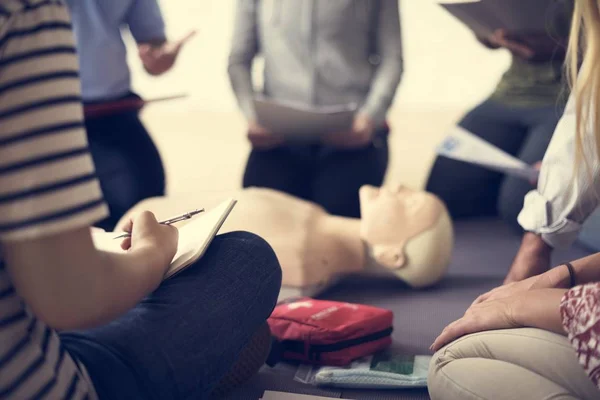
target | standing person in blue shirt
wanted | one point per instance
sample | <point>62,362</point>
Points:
<point>127,161</point>
<point>319,53</point>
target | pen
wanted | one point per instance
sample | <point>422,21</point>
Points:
<point>169,221</point>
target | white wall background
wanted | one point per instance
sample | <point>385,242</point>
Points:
<point>445,67</point>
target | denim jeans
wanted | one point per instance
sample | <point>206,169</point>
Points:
<point>472,191</point>
<point>183,338</point>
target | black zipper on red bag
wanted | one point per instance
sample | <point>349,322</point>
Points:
<point>315,351</point>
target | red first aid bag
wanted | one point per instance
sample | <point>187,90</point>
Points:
<point>328,332</point>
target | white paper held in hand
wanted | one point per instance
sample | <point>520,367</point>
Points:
<point>462,145</point>
<point>300,123</point>
<point>194,237</point>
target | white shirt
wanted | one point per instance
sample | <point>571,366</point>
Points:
<point>565,196</point>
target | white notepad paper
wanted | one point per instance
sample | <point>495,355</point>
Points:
<point>302,123</point>
<point>194,237</point>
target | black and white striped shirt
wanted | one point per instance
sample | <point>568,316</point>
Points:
<point>47,184</point>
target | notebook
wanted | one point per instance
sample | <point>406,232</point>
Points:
<point>194,237</point>
<point>486,16</point>
<point>301,123</point>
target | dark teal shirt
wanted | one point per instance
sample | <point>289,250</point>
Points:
<point>542,82</point>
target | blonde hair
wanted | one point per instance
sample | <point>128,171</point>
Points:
<point>583,66</point>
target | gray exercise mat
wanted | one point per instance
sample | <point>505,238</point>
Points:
<point>483,253</point>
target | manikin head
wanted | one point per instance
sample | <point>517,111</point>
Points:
<point>408,233</point>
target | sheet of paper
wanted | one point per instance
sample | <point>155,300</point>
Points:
<point>462,145</point>
<point>301,123</point>
<point>271,395</point>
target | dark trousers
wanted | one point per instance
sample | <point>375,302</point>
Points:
<point>127,162</point>
<point>321,174</point>
<point>471,191</point>
<point>182,339</point>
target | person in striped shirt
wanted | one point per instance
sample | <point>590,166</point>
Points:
<point>77,323</point>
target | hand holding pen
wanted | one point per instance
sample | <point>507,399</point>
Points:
<point>169,221</point>
<point>156,243</point>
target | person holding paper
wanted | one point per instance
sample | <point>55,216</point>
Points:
<point>319,53</point>
<point>538,338</point>
<point>80,323</point>
<point>519,118</point>
<point>127,161</point>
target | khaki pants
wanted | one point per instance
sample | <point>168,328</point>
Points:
<point>510,364</point>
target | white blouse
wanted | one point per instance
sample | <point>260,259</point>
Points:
<point>565,196</point>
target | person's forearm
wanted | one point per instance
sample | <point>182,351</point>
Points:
<point>119,282</point>
<point>389,72</point>
<point>533,243</point>
<point>240,77</point>
<point>244,47</point>
<point>387,44</point>
<point>487,43</point>
<point>382,91</point>
<point>533,246</point>
<point>70,285</point>
<point>586,270</point>
<point>540,309</point>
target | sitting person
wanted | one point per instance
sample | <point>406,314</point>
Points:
<point>538,338</point>
<point>127,161</point>
<point>358,60</point>
<point>519,118</point>
<point>78,323</point>
<point>403,234</point>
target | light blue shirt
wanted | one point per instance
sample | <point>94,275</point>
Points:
<point>102,53</point>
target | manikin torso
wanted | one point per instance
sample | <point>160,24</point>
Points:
<point>314,247</point>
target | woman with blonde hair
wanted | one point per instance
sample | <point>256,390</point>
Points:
<point>540,338</point>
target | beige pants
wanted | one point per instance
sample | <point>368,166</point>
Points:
<point>514,364</point>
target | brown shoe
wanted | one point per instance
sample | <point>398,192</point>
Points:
<point>251,359</point>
